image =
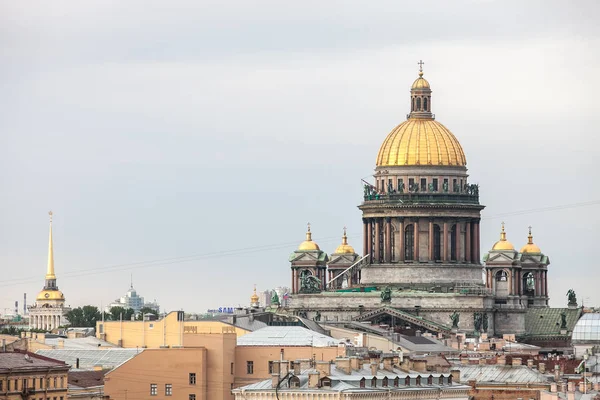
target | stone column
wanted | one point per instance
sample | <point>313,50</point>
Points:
<point>457,241</point>
<point>468,242</point>
<point>377,238</point>
<point>510,282</point>
<point>431,256</point>
<point>546,282</point>
<point>477,244</point>
<point>388,240</point>
<point>538,286</point>
<point>365,237</point>
<point>401,234</point>
<point>416,239</point>
<point>370,239</point>
<point>445,254</point>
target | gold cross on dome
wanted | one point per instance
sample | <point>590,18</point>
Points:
<point>308,225</point>
<point>420,65</point>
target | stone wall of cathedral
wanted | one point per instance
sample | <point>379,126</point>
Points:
<point>382,274</point>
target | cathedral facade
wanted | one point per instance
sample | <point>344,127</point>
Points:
<point>49,310</point>
<point>421,266</point>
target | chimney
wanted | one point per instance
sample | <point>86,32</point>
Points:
<point>464,361</point>
<point>553,387</point>
<point>4,345</point>
<point>570,387</point>
<point>396,360</point>
<point>455,375</point>
<point>530,363</point>
<point>297,369</point>
<point>542,367</point>
<point>482,361</point>
<point>374,367</point>
<point>97,367</point>
<point>516,361</point>
<point>501,360</point>
<point>77,363</point>
<point>405,366</point>
<point>355,363</point>
<point>557,373</point>
<point>324,368</point>
<point>388,364</point>
<point>284,367</point>
<point>343,364</point>
<point>313,379</point>
<point>61,343</point>
<point>305,363</point>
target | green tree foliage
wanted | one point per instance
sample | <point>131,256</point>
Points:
<point>84,317</point>
<point>116,312</point>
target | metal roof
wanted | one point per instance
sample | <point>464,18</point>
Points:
<point>500,374</point>
<point>88,359</point>
<point>88,342</point>
<point>286,336</point>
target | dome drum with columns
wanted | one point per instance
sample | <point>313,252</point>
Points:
<point>421,246</point>
<point>49,309</point>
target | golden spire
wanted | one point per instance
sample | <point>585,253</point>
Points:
<point>503,244</point>
<point>530,247</point>
<point>530,237</point>
<point>308,234</point>
<point>344,238</point>
<point>50,271</point>
<point>344,248</point>
<point>503,233</point>
<point>308,244</point>
<point>420,67</point>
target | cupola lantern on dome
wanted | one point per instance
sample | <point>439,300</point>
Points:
<point>503,244</point>
<point>421,140</point>
<point>530,247</point>
<point>344,248</point>
<point>254,298</point>
<point>308,244</point>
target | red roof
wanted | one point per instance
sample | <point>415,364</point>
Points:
<point>22,360</point>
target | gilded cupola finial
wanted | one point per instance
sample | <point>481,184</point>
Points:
<point>530,237</point>
<point>50,271</point>
<point>420,67</point>
<point>345,238</point>
<point>308,244</point>
<point>530,247</point>
<point>503,233</point>
<point>308,234</point>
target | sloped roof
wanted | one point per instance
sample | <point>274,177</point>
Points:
<point>547,321</point>
<point>86,379</point>
<point>88,342</point>
<point>27,361</point>
<point>286,336</point>
<point>88,359</point>
<point>500,374</point>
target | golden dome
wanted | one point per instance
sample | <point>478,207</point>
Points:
<point>344,248</point>
<point>530,247</point>
<point>420,142</point>
<point>420,82</point>
<point>50,295</point>
<point>308,244</point>
<point>254,297</point>
<point>503,244</point>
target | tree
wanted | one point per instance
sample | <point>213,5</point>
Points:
<point>145,311</point>
<point>116,312</point>
<point>84,317</point>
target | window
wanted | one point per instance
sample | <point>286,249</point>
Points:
<point>430,380</point>
<point>423,184</point>
<point>192,378</point>
<point>24,384</point>
<point>33,383</point>
<point>55,382</point>
<point>231,369</point>
<point>454,186</point>
<point>446,185</point>
<point>192,397</point>
<point>396,381</point>
<point>409,236</point>
<point>61,398</point>
<point>418,104</point>
<point>362,383</point>
<point>390,186</point>
<point>437,243</point>
<point>249,367</point>
<point>41,383</point>
<point>419,380</point>
<point>501,276</point>
<point>8,385</point>
<point>411,184</point>
<point>62,382</point>
<point>374,382</point>
<point>385,381</point>
<point>435,184</point>
<point>407,381</point>
<point>168,389</point>
<point>425,103</point>
<point>16,384</point>
<point>153,389</point>
<point>400,185</point>
<point>1,386</point>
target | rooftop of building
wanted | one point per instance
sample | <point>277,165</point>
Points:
<point>91,358</point>
<point>286,336</point>
<point>25,361</point>
<point>83,343</point>
<point>500,374</point>
<point>547,321</point>
<point>87,379</point>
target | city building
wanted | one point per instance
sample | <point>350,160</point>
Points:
<point>586,335</point>
<point>49,310</point>
<point>351,378</point>
<point>25,375</point>
<point>133,300</point>
<point>176,373</point>
<point>421,267</point>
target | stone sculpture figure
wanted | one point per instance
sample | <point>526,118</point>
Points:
<point>390,187</point>
<point>445,187</point>
<point>275,298</point>
<point>310,284</point>
<point>484,322</point>
<point>401,187</point>
<point>563,320</point>
<point>477,320</point>
<point>455,318</point>
<point>572,297</point>
<point>386,295</point>
<point>317,317</point>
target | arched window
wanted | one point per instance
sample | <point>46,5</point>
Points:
<point>374,382</point>
<point>529,283</point>
<point>419,380</point>
<point>418,104</point>
<point>409,242</point>
<point>362,383</point>
<point>385,382</point>
<point>453,249</point>
<point>425,104</point>
<point>501,276</point>
<point>396,381</point>
<point>413,104</point>
<point>430,380</point>
<point>407,381</point>
<point>437,243</point>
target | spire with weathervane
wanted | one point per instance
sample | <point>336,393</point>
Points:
<point>50,283</point>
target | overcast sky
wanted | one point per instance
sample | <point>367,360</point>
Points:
<point>218,129</point>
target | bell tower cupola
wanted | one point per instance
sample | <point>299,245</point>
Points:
<point>420,97</point>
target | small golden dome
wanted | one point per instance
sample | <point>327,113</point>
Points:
<point>420,82</point>
<point>344,248</point>
<point>254,297</point>
<point>421,142</point>
<point>530,247</point>
<point>503,244</point>
<point>308,244</point>
<point>50,295</point>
